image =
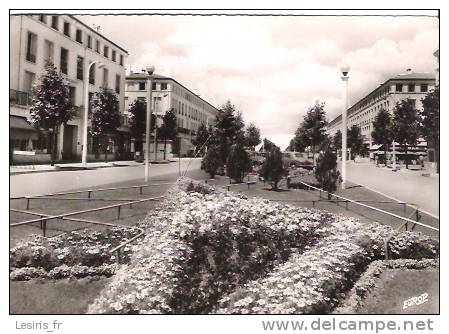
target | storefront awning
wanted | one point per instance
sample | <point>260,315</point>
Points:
<point>20,129</point>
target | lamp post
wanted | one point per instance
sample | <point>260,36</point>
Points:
<point>86,111</point>
<point>150,71</point>
<point>345,79</point>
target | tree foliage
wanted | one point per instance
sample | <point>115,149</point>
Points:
<point>137,115</point>
<point>252,135</point>
<point>406,125</point>
<point>268,145</point>
<point>355,140</point>
<point>201,137</point>
<point>430,118</point>
<point>212,161</point>
<point>228,129</point>
<point>51,105</point>
<point>105,118</point>
<point>169,128</point>
<point>337,140</point>
<point>238,163</point>
<point>273,169</point>
<point>326,171</point>
<point>312,130</point>
<point>382,130</point>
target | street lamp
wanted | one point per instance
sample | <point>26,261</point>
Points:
<point>150,71</point>
<point>345,79</point>
<point>86,111</point>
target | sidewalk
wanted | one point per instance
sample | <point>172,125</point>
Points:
<point>25,169</point>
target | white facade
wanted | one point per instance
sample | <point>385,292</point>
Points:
<point>71,46</point>
<point>409,86</point>
<point>191,110</point>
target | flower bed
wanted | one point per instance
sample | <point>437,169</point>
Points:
<point>207,250</point>
<point>314,282</point>
<point>369,280</point>
<point>203,245</point>
<point>75,254</point>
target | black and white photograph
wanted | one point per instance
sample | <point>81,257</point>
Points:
<point>247,162</point>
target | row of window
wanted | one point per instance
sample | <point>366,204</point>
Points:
<point>411,88</point>
<point>79,37</point>
<point>143,85</point>
<point>64,62</point>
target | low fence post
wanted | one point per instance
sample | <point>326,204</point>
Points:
<point>88,194</point>
<point>248,184</point>
<point>28,203</point>
<point>229,187</point>
<point>313,203</point>
<point>205,181</point>
<point>404,208</point>
<point>44,227</point>
<point>118,212</point>
<point>118,255</point>
<point>347,204</point>
<point>140,190</point>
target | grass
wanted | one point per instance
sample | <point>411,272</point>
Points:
<point>396,286</point>
<point>66,296</point>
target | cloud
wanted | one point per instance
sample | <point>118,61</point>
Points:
<point>274,68</point>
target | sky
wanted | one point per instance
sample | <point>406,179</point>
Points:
<point>274,68</point>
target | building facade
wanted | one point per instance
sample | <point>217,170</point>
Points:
<point>71,46</point>
<point>408,86</point>
<point>167,93</point>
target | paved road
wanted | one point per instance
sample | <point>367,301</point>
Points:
<point>409,186</point>
<point>58,181</point>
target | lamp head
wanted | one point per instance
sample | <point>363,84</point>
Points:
<point>150,69</point>
<point>345,70</point>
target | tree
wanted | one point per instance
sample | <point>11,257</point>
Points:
<point>267,145</point>
<point>201,137</point>
<point>137,115</point>
<point>228,128</point>
<point>406,126</point>
<point>252,136</point>
<point>337,140</point>
<point>312,130</point>
<point>300,141</point>
<point>273,169</point>
<point>212,161</point>
<point>51,105</point>
<point>105,116</point>
<point>355,140</point>
<point>238,163</point>
<point>382,132</point>
<point>326,171</point>
<point>169,128</point>
<point>430,118</point>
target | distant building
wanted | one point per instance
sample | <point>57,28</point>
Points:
<point>71,46</point>
<point>408,86</point>
<point>191,110</point>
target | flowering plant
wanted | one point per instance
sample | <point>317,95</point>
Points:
<point>69,253</point>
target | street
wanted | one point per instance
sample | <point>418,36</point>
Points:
<point>32,184</point>
<point>407,186</point>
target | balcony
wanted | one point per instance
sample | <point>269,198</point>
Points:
<point>19,98</point>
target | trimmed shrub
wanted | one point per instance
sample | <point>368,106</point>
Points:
<point>273,169</point>
<point>238,163</point>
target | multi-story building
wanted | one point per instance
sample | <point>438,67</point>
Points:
<point>167,93</point>
<point>409,86</point>
<point>71,46</point>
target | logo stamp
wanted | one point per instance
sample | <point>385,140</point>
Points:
<point>417,300</point>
